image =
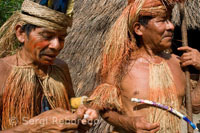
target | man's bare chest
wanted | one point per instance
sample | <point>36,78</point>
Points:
<point>137,81</point>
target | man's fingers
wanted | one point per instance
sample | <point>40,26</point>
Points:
<point>187,63</point>
<point>81,111</point>
<point>185,48</point>
<point>186,54</point>
<point>150,127</point>
<point>155,130</point>
<point>92,114</point>
<point>149,131</point>
<point>185,58</point>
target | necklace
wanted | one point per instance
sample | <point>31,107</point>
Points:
<point>40,78</point>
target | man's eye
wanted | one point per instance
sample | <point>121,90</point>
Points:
<point>162,20</point>
<point>47,37</point>
<point>62,39</point>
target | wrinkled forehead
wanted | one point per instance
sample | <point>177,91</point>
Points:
<point>52,31</point>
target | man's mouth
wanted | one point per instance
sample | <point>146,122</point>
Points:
<point>50,56</point>
<point>168,37</point>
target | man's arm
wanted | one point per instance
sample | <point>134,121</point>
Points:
<point>130,124</point>
<point>192,57</point>
<point>53,120</point>
<point>5,70</point>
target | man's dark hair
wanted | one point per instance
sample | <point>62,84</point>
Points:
<point>27,28</point>
<point>143,20</point>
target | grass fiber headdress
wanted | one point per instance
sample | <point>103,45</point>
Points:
<point>52,14</point>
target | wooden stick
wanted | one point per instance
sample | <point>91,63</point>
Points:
<point>187,73</point>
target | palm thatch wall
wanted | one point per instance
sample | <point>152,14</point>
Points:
<point>83,45</point>
<point>92,19</point>
<point>192,14</point>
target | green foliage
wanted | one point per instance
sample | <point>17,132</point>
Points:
<point>7,7</point>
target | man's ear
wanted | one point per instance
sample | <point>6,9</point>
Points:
<point>19,33</point>
<point>137,27</point>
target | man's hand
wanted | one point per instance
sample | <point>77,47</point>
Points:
<point>190,57</point>
<point>90,118</point>
<point>56,120</point>
<point>136,124</point>
<point>140,125</point>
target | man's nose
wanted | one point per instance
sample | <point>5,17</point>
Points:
<point>170,25</point>
<point>55,44</point>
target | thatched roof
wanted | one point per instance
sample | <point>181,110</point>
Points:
<point>192,13</point>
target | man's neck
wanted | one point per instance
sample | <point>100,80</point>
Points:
<point>153,56</point>
<point>25,60</point>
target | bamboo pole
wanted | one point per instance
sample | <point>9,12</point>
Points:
<point>187,73</point>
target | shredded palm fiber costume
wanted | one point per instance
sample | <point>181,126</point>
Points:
<point>21,91</point>
<point>163,90</point>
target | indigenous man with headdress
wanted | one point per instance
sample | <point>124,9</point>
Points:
<point>33,80</point>
<point>136,64</point>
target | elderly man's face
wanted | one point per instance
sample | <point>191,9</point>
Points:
<point>43,45</point>
<point>157,34</point>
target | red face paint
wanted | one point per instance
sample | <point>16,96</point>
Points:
<point>43,45</point>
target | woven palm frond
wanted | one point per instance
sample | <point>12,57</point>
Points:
<point>192,14</point>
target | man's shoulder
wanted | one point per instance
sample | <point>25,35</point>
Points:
<point>175,63</point>
<point>61,64</point>
<point>5,69</point>
<point>139,62</point>
<point>6,62</point>
<point>3,64</point>
<point>64,67</point>
<point>143,63</point>
<point>175,58</point>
